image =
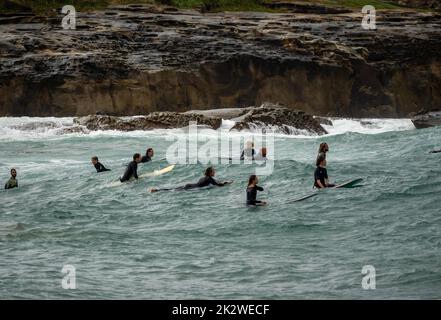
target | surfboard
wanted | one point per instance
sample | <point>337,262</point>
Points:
<point>349,184</point>
<point>157,172</point>
<point>304,197</point>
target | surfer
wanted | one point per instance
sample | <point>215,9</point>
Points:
<point>12,182</point>
<point>261,155</point>
<point>132,168</point>
<point>98,165</point>
<point>252,192</point>
<point>148,156</point>
<point>248,152</point>
<point>323,149</point>
<point>321,174</point>
<point>205,181</point>
<point>436,151</point>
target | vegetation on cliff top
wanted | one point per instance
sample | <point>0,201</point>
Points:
<point>206,5</point>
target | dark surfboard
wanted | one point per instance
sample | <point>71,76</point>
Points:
<point>349,184</point>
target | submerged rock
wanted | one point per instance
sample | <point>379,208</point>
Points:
<point>427,120</point>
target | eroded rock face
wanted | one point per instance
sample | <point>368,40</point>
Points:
<point>432,4</point>
<point>427,120</point>
<point>136,59</point>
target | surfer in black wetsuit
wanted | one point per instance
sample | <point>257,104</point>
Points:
<point>12,182</point>
<point>323,149</point>
<point>436,151</point>
<point>132,169</point>
<point>321,174</point>
<point>248,152</point>
<point>206,181</point>
<point>148,156</point>
<point>98,165</point>
<point>252,192</point>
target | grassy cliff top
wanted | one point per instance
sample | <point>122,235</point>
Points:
<point>208,5</point>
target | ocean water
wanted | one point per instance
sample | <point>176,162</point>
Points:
<point>126,243</point>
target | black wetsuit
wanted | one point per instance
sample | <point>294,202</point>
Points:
<point>322,175</point>
<point>252,195</point>
<point>203,182</point>
<point>253,152</point>
<point>11,184</point>
<point>100,168</point>
<point>131,171</point>
<point>145,159</point>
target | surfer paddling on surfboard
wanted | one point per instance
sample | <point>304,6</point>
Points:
<point>132,169</point>
<point>321,179</point>
<point>252,192</point>
<point>206,181</point>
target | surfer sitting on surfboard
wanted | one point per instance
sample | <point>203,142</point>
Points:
<point>132,169</point>
<point>148,156</point>
<point>252,192</point>
<point>248,152</point>
<point>321,174</point>
<point>206,181</point>
<point>98,165</point>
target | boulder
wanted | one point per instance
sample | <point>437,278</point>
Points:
<point>283,119</point>
<point>427,120</point>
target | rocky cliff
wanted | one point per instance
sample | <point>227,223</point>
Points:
<point>137,59</point>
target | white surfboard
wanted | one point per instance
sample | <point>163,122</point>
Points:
<point>157,172</point>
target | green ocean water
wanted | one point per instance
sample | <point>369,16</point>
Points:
<point>126,243</point>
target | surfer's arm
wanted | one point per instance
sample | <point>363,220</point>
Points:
<point>135,171</point>
<point>319,183</point>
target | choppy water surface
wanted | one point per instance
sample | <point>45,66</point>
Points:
<point>127,243</point>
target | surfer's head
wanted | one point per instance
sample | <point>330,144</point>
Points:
<point>149,152</point>
<point>137,157</point>
<point>263,152</point>
<point>95,160</point>
<point>210,172</point>
<point>323,147</point>
<point>253,180</point>
<point>321,161</point>
<point>13,173</point>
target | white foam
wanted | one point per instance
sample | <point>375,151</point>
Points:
<point>28,128</point>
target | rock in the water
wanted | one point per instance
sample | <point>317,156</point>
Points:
<point>283,119</point>
<point>154,120</point>
<point>427,120</point>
